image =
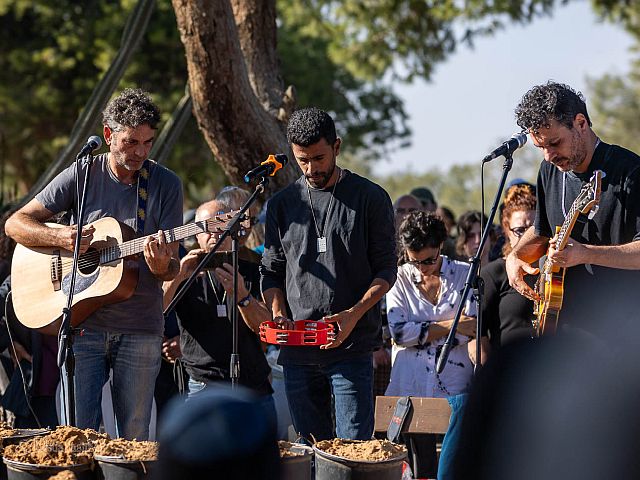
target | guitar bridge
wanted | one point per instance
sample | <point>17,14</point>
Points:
<point>56,270</point>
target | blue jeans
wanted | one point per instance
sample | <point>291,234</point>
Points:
<point>310,389</point>
<point>265,401</point>
<point>135,361</point>
<point>452,437</point>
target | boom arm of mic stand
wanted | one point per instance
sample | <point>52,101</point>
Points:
<point>473,270</point>
<point>232,225</point>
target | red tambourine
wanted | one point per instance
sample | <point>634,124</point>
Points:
<point>306,332</point>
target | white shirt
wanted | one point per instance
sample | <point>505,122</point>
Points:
<point>409,314</point>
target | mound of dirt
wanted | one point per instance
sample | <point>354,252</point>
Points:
<point>64,475</point>
<point>128,449</point>
<point>286,449</point>
<point>63,446</point>
<point>362,450</point>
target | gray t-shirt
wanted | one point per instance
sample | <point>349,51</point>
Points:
<point>108,197</point>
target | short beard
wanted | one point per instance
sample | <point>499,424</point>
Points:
<point>324,180</point>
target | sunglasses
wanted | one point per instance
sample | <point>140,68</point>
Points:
<point>426,261</point>
<point>519,231</point>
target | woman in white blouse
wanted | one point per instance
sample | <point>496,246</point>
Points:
<point>427,293</point>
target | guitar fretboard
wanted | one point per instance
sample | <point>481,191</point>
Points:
<point>135,246</point>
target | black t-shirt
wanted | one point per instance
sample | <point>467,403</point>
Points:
<point>206,338</point>
<point>506,314</point>
<point>360,246</point>
<point>594,294</point>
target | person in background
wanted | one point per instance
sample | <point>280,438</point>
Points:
<point>426,198</point>
<point>469,235</point>
<point>449,219</point>
<point>506,314</point>
<point>403,206</point>
<point>204,312</point>
<point>421,306</point>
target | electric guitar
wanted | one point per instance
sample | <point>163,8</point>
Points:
<point>550,283</point>
<point>107,272</point>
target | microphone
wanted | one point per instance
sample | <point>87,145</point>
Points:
<point>269,167</point>
<point>93,142</point>
<point>516,141</point>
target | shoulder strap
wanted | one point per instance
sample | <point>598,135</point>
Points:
<point>143,194</point>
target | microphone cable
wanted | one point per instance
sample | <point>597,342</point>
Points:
<point>15,353</point>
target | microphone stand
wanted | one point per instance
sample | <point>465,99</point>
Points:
<point>232,229</point>
<point>474,281</point>
<point>66,358</point>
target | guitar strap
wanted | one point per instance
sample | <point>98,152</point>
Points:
<point>143,195</point>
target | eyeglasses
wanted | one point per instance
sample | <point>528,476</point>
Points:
<point>403,211</point>
<point>519,231</point>
<point>426,261</point>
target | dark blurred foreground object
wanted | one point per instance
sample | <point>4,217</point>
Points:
<point>562,407</point>
<point>222,433</point>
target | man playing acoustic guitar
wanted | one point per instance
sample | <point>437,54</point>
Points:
<point>125,337</point>
<point>601,284</point>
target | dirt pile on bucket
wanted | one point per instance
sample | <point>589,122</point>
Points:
<point>127,449</point>
<point>286,449</point>
<point>362,450</point>
<point>6,430</point>
<point>63,446</point>
<point>64,475</point>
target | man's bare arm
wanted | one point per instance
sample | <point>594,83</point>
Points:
<point>518,263</point>
<point>27,227</point>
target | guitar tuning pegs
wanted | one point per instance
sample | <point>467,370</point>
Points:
<point>593,211</point>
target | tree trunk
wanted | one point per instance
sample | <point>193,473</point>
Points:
<point>232,116</point>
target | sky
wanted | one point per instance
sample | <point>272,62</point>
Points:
<point>467,109</point>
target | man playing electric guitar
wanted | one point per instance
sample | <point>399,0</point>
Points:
<point>125,337</point>
<point>601,285</point>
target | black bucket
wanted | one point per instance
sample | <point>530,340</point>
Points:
<point>332,467</point>
<point>117,468</point>
<point>297,467</point>
<point>20,435</point>
<point>28,471</point>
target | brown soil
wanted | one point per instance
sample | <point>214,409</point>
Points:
<point>129,450</point>
<point>359,450</point>
<point>6,430</point>
<point>63,446</point>
<point>64,475</point>
<point>285,450</point>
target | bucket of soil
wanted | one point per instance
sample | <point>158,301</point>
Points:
<point>29,471</point>
<point>340,459</point>
<point>121,459</point>
<point>65,448</point>
<point>11,436</point>
<point>295,459</point>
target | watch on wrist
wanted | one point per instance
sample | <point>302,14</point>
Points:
<point>245,301</point>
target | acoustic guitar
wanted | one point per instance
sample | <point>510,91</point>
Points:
<point>107,272</point>
<point>550,283</point>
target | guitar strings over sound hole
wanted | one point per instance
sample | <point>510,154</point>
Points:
<point>89,261</point>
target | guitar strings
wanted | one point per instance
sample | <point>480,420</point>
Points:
<point>90,258</point>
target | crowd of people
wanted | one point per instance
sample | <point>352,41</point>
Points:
<point>388,276</point>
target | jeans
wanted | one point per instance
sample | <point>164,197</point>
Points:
<point>135,361</point>
<point>265,402</point>
<point>452,437</point>
<point>310,389</point>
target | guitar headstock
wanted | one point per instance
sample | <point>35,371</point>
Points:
<point>588,200</point>
<point>218,223</point>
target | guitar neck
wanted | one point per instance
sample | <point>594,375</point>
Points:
<point>135,246</point>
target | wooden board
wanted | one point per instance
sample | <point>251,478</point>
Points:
<point>429,415</point>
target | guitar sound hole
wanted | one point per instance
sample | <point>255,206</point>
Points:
<point>89,261</point>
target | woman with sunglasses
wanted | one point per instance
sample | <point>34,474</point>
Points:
<point>506,314</point>
<point>426,293</point>
<point>420,306</point>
